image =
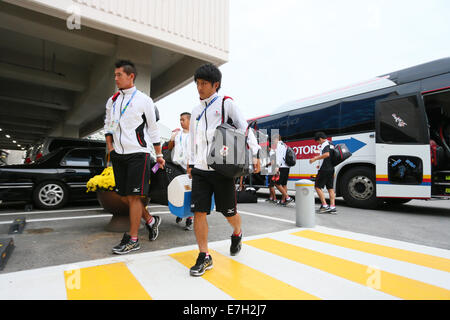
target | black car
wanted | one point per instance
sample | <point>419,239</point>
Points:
<point>54,179</point>
<point>50,144</point>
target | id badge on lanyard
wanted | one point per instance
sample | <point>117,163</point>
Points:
<point>115,123</point>
<point>204,111</point>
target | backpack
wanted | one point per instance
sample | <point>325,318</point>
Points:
<point>339,153</point>
<point>290,157</point>
<point>229,141</point>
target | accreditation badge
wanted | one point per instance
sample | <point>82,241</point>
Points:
<point>114,125</point>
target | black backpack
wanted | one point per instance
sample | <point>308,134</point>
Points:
<point>339,153</point>
<point>290,157</point>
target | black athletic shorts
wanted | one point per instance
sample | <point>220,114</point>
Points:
<point>284,177</point>
<point>131,173</point>
<point>207,183</point>
<point>324,178</point>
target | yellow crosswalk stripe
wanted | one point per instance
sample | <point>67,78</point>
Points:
<point>421,259</point>
<point>386,282</point>
<point>105,282</point>
<point>242,282</point>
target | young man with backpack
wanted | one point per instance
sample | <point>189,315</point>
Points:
<point>205,118</point>
<point>130,130</point>
<point>282,176</point>
<point>325,176</point>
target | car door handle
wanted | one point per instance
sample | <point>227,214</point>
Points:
<point>70,171</point>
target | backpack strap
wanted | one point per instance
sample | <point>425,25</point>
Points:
<point>115,96</point>
<point>223,107</point>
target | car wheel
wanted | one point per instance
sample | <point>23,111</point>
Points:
<point>359,188</point>
<point>50,195</point>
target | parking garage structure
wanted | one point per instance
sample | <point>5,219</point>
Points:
<point>57,58</point>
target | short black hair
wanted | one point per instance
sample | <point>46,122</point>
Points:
<point>319,135</point>
<point>186,114</point>
<point>128,67</point>
<point>210,73</point>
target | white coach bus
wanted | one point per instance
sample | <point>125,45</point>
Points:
<point>397,127</point>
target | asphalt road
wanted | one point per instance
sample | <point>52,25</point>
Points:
<point>77,232</point>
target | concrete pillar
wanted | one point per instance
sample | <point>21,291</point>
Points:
<point>101,85</point>
<point>141,55</point>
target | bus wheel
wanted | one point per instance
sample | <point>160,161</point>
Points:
<point>359,188</point>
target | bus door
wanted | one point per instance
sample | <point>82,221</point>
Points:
<point>403,160</point>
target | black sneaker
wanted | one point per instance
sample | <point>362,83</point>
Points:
<point>178,220</point>
<point>331,210</point>
<point>126,245</point>
<point>289,201</point>
<point>323,209</point>
<point>188,226</point>
<point>154,229</point>
<point>202,264</point>
<point>236,244</point>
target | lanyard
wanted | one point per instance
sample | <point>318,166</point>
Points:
<point>207,106</point>
<point>126,106</point>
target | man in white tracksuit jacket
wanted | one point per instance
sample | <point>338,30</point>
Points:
<point>130,130</point>
<point>205,118</point>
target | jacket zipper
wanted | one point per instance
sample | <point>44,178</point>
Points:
<point>206,134</point>
<point>120,117</point>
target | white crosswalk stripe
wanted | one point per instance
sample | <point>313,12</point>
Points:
<point>300,263</point>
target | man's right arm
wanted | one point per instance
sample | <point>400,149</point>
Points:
<point>109,142</point>
<point>107,128</point>
<point>191,153</point>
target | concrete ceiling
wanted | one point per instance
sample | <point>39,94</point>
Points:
<point>46,70</point>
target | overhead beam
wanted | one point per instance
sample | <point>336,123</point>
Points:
<point>22,142</point>
<point>37,103</point>
<point>16,136</point>
<point>16,120</point>
<point>7,127</point>
<point>72,82</point>
<point>31,115</point>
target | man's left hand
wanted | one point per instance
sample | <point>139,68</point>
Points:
<point>256,165</point>
<point>161,162</point>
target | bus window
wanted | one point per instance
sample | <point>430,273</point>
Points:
<point>278,123</point>
<point>401,120</point>
<point>358,116</point>
<point>305,122</point>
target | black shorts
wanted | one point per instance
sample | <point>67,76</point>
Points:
<point>207,183</point>
<point>324,178</point>
<point>284,177</point>
<point>131,173</point>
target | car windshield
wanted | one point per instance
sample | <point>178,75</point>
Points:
<point>47,156</point>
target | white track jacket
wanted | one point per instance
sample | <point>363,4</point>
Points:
<point>203,126</point>
<point>131,120</point>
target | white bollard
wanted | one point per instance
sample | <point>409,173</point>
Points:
<point>304,204</point>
